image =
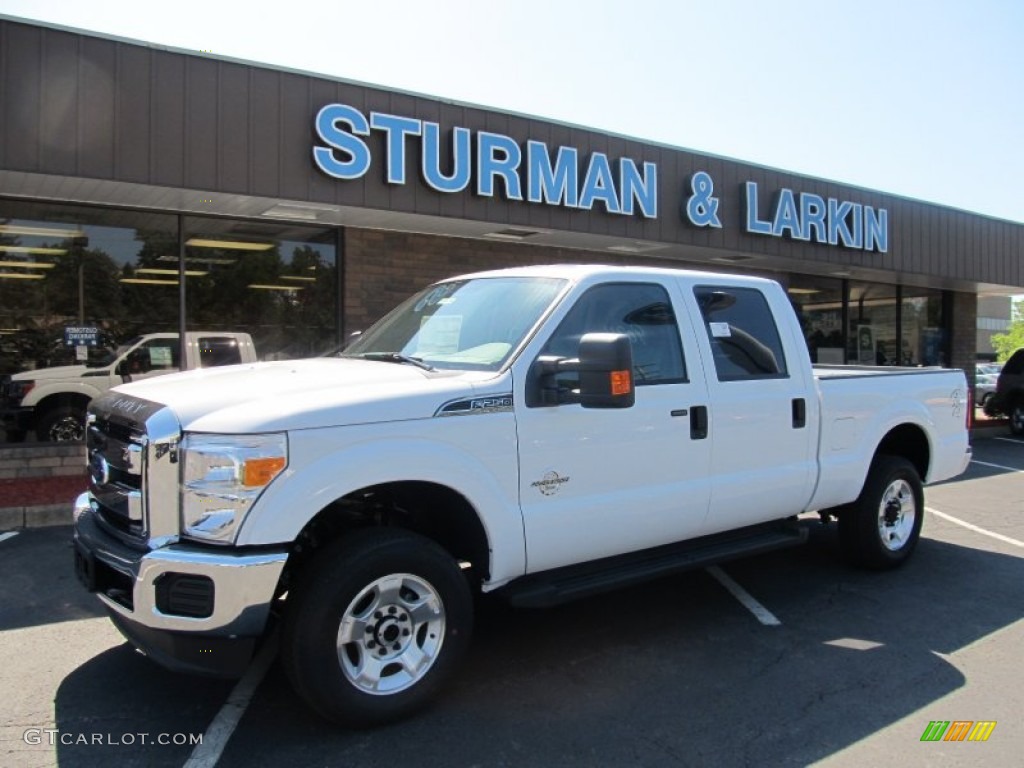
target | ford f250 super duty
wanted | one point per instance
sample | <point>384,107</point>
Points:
<point>542,433</point>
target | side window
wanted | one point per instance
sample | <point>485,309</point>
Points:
<point>218,350</point>
<point>741,329</point>
<point>641,311</point>
<point>154,355</point>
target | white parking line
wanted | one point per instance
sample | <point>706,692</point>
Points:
<point>763,615</point>
<point>208,752</point>
<point>996,466</point>
<point>8,535</point>
<point>1009,440</point>
<point>975,528</point>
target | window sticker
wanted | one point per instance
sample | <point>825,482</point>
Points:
<point>160,357</point>
<point>439,335</point>
<point>720,330</point>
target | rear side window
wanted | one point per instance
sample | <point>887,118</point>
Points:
<point>218,350</point>
<point>741,329</point>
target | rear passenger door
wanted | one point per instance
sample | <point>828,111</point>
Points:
<point>762,429</point>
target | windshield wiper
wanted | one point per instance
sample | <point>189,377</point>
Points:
<point>395,357</point>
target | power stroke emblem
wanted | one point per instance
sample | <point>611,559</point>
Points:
<point>550,484</point>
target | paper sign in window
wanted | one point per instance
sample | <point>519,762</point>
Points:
<point>439,335</point>
<point>160,357</point>
<point>720,330</point>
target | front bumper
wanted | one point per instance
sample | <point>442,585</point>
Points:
<point>190,608</point>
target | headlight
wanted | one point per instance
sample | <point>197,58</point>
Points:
<point>17,389</point>
<point>223,477</point>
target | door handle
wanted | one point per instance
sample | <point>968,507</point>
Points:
<point>698,422</point>
<point>799,413</point>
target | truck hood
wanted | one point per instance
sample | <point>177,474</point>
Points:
<point>305,394</point>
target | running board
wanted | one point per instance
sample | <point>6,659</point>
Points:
<point>561,585</point>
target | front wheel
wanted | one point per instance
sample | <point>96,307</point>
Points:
<point>881,528</point>
<point>374,625</point>
<point>63,424</point>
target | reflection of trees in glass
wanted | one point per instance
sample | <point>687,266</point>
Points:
<point>81,280</point>
<point>294,317</point>
<point>101,293</point>
<point>151,308</point>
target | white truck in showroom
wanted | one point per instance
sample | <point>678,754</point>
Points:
<point>541,433</point>
<point>51,402</point>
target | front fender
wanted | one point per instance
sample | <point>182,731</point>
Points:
<point>326,465</point>
<point>45,389</point>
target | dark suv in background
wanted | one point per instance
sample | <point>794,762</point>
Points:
<point>1008,399</point>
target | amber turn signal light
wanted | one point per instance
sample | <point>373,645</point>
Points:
<point>621,382</point>
<point>259,472</point>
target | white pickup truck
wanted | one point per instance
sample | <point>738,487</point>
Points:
<point>52,401</point>
<point>543,433</point>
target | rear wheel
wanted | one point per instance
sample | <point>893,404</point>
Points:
<point>374,625</point>
<point>881,528</point>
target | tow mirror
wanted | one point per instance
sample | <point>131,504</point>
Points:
<point>604,364</point>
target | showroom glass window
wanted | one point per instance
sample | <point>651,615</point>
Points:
<point>276,282</point>
<point>924,337</point>
<point>818,302</point>
<point>71,286</point>
<point>873,331</point>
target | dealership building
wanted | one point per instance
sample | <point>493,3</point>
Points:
<point>146,189</point>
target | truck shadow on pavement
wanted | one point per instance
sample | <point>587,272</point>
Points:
<point>122,709</point>
<point>37,581</point>
<point>673,672</point>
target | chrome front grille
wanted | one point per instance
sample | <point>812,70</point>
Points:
<point>116,476</point>
<point>133,473</point>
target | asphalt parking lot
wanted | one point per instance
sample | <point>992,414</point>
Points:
<point>678,672</point>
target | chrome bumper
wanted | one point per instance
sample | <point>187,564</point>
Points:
<point>126,580</point>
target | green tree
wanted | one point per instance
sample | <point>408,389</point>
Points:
<point>1006,343</point>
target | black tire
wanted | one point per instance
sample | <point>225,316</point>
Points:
<point>1017,416</point>
<point>881,528</point>
<point>63,424</point>
<point>403,602</point>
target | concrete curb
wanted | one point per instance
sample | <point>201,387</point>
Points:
<point>14,518</point>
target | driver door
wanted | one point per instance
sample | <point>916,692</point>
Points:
<point>600,482</point>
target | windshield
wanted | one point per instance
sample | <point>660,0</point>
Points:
<point>462,324</point>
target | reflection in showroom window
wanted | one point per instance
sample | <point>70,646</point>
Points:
<point>279,284</point>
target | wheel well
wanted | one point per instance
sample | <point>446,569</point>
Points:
<point>429,509</point>
<point>908,441</point>
<point>50,402</point>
